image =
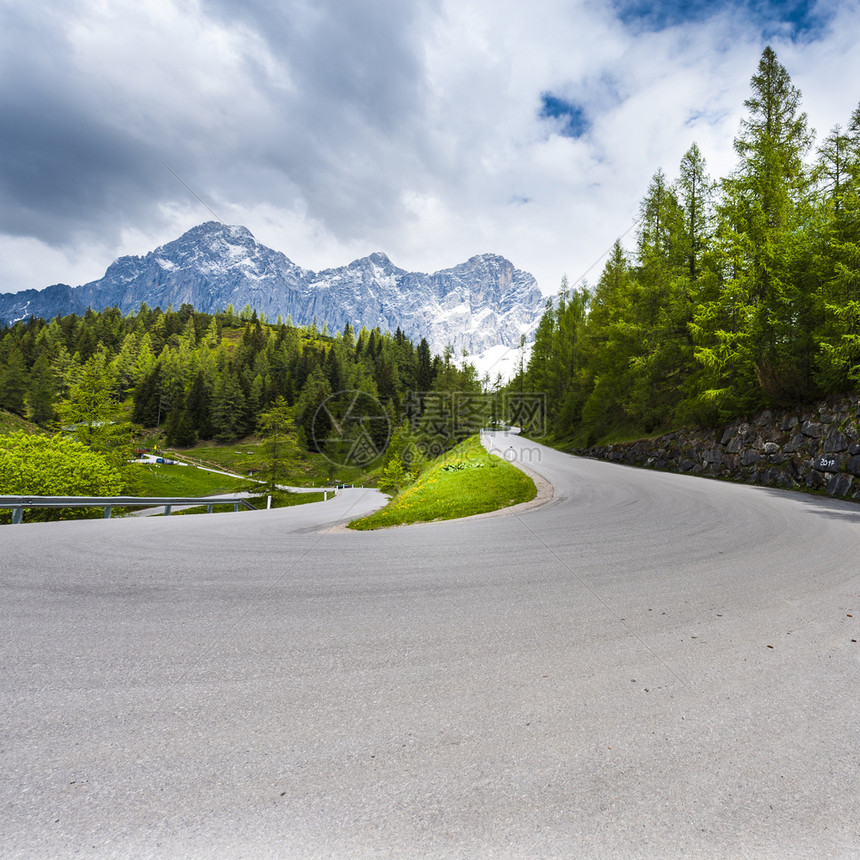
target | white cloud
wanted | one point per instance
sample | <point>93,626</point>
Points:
<point>334,128</point>
<point>28,263</point>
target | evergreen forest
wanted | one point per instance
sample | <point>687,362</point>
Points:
<point>193,376</point>
<point>740,294</point>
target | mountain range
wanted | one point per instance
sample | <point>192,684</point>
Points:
<point>481,304</point>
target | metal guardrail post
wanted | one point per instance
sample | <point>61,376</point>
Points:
<point>108,511</point>
<point>167,510</point>
<point>17,515</point>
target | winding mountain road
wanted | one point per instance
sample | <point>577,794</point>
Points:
<point>646,665</point>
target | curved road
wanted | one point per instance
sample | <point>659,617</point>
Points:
<point>648,665</point>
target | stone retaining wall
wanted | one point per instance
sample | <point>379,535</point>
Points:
<point>811,449</point>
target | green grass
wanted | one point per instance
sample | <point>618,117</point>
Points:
<point>9,423</point>
<point>238,457</point>
<point>313,470</point>
<point>181,481</point>
<point>465,481</point>
<point>187,481</point>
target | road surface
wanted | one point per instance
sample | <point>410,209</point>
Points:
<point>648,665</point>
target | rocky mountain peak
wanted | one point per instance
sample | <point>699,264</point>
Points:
<point>482,303</point>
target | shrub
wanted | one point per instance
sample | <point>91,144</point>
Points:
<point>32,465</point>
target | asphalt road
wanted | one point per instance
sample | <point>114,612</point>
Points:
<point>648,665</point>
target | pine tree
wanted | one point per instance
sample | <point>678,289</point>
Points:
<point>756,335</point>
<point>833,171</point>
<point>13,383</point>
<point>197,407</point>
<point>696,190</point>
<point>835,260</point>
<point>89,403</point>
<point>179,429</point>
<point>660,306</point>
<point>609,342</point>
<point>280,449</point>
<point>540,366</point>
<point>313,411</point>
<point>124,365</point>
<point>149,409</point>
<point>228,408</point>
<point>144,359</point>
<point>91,410</point>
<point>41,392</point>
<point>394,476</point>
<point>424,367</point>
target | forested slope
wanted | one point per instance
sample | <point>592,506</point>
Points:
<point>741,294</point>
<point>193,376</point>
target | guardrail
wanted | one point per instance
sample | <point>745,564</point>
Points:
<point>108,503</point>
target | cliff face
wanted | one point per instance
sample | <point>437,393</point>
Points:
<point>812,449</point>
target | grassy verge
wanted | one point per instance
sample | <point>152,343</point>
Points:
<point>149,480</point>
<point>465,481</point>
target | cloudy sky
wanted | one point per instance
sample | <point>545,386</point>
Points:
<point>431,130</point>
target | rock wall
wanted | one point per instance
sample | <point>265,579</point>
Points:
<point>812,449</point>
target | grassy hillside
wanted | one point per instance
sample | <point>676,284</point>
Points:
<point>244,456</point>
<point>163,480</point>
<point>152,480</point>
<point>9,423</point>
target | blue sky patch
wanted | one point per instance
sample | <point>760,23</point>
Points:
<point>659,14</point>
<point>797,19</point>
<point>571,117</point>
<point>801,20</point>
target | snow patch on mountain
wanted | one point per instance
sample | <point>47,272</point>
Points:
<point>500,362</point>
<point>475,306</point>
